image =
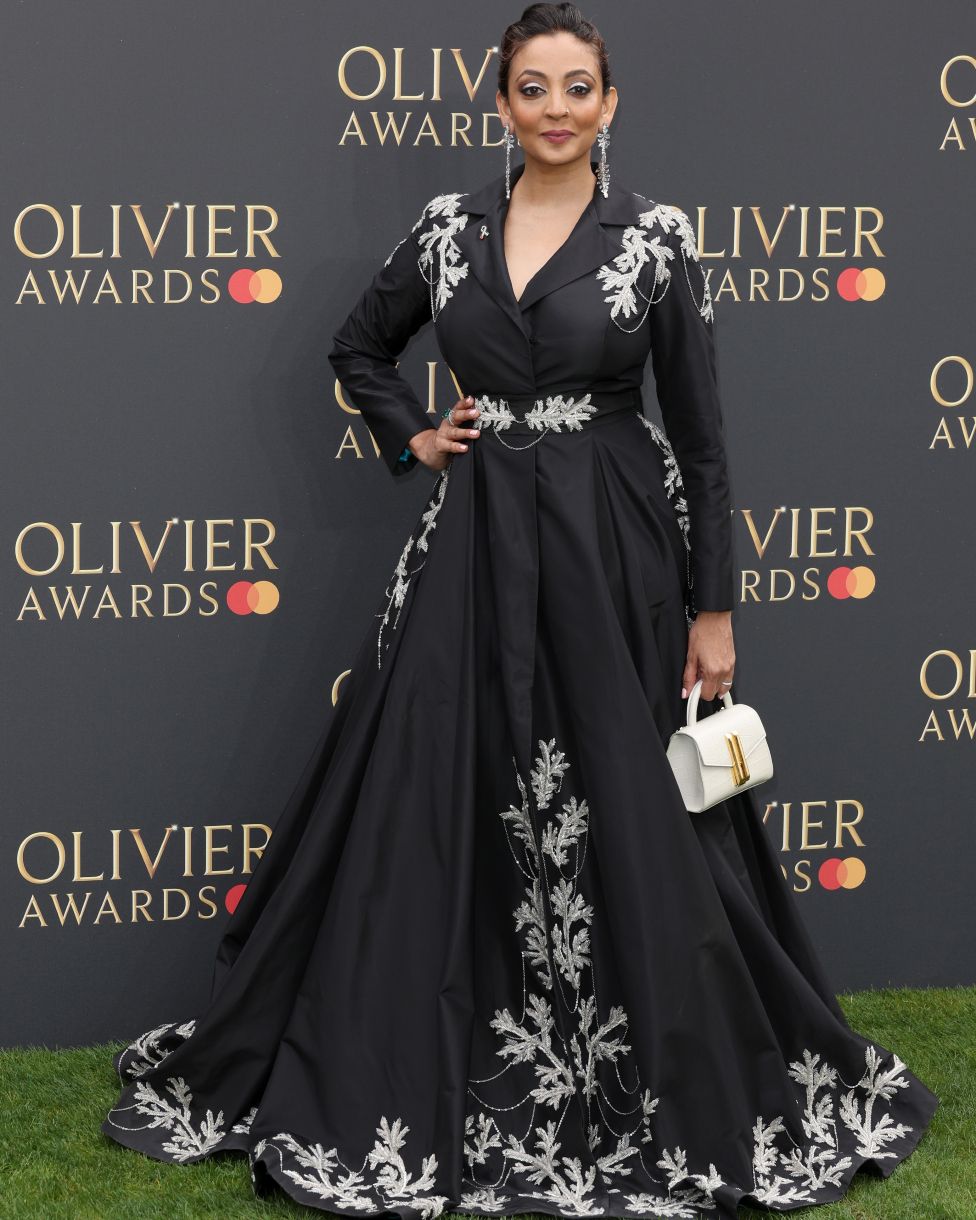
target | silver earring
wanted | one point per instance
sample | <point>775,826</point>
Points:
<point>509,145</point>
<point>603,139</point>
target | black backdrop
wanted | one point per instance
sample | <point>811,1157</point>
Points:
<point>148,751</point>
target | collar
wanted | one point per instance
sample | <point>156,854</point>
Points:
<point>592,243</point>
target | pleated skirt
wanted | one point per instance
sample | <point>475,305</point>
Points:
<point>488,961</point>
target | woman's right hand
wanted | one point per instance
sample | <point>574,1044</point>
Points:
<point>435,447</point>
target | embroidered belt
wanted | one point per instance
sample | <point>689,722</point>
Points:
<point>543,412</point>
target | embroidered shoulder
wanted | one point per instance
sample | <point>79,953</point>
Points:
<point>440,261</point>
<point>440,205</point>
<point>650,238</point>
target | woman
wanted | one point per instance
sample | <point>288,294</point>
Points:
<point>489,962</point>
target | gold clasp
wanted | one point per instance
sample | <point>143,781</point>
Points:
<point>740,769</point>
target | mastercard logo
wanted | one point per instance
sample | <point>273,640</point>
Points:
<point>860,284</point>
<point>252,597</point>
<point>233,897</point>
<point>247,286</point>
<point>850,582</point>
<point>838,874</point>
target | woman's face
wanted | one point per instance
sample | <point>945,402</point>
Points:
<point>554,86</point>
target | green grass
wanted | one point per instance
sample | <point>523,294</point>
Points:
<point>55,1162</point>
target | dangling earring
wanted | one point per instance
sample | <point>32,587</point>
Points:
<point>509,145</point>
<point>603,172</point>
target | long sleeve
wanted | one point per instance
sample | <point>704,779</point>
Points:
<point>684,363</point>
<point>366,347</point>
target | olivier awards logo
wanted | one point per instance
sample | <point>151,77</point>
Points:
<point>794,255</point>
<point>169,254</point>
<point>397,102</point>
<point>957,84</point>
<point>818,837</point>
<point>89,878</point>
<point>947,678</point>
<point>122,570</point>
<point>807,554</point>
<point>951,388</point>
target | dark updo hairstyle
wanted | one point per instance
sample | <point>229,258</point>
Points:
<point>550,19</point>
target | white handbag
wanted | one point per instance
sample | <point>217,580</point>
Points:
<point>720,755</point>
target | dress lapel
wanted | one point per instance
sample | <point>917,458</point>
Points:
<point>486,256</point>
<point>593,242</point>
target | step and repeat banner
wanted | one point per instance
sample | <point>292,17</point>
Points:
<point>197,528</point>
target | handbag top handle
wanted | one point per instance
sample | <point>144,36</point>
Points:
<point>691,713</point>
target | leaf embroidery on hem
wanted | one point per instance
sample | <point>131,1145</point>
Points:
<point>558,1068</point>
<point>838,1120</point>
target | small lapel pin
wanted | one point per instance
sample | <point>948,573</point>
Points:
<point>484,232</point>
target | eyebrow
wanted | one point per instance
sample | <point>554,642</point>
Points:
<point>575,72</point>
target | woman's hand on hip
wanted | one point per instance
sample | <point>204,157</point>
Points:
<point>435,447</point>
<point>711,654</point>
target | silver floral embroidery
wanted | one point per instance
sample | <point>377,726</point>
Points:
<point>784,1172</point>
<point>675,488</point>
<point>440,259</point>
<point>560,959</point>
<point>549,414</point>
<point>244,1126</point>
<point>689,251</point>
<point>443,267</point>
<point>193,1135</point>
<point>396,590</point>
<point>640,245</point>
<point>314,1170</point>
<point>150,1048</point>
<point>560,1071</point>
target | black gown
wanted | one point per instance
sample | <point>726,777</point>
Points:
<point>488,961</point>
